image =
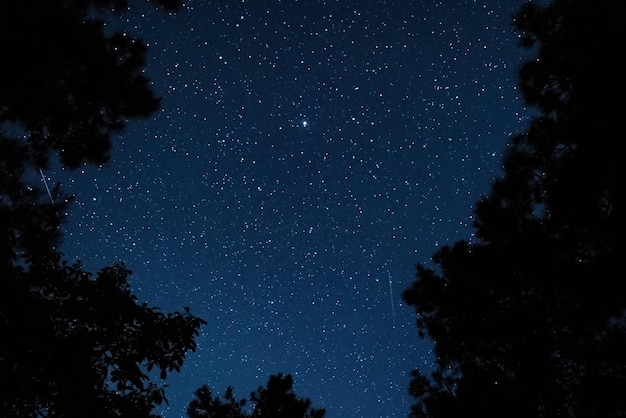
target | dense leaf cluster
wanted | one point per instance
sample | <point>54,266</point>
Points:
<point>77,346</point>
<point>528,321</point>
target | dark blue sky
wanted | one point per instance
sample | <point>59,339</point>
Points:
<point>307,155</point>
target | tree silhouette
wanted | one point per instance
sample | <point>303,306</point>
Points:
<point>66,83</point>
<point>72,345</point>
<point>528,320</point>
<point>204,405</point>
<point>277,400</point>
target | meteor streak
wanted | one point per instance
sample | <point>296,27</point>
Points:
<point>393,311</point>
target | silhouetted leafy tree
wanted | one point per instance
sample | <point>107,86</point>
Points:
<point>206,406</point>
<point>276,401</point>
<point>529,320</point>
<point>65,82</point>
<point>74,346</point>
<point>71,345</point>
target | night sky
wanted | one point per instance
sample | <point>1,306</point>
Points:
<point>307,155</point>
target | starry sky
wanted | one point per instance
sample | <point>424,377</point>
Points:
<point>307,155</point>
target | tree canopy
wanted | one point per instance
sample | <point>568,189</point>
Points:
<point>72,345</point>
<point>277,400</point>
<point>66,83</point>
<point>528,320</point>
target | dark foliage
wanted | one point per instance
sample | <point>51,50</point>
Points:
<point>67,84</point>
<point>29,225</point>
<point>71,345</point>
<point>529,320</point>
<point>204,405</point>
<point>74,346</point>
<point>276,401</point>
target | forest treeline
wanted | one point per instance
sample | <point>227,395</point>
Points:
<point>527,318</point>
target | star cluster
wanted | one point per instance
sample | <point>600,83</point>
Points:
<point>306,156</point>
